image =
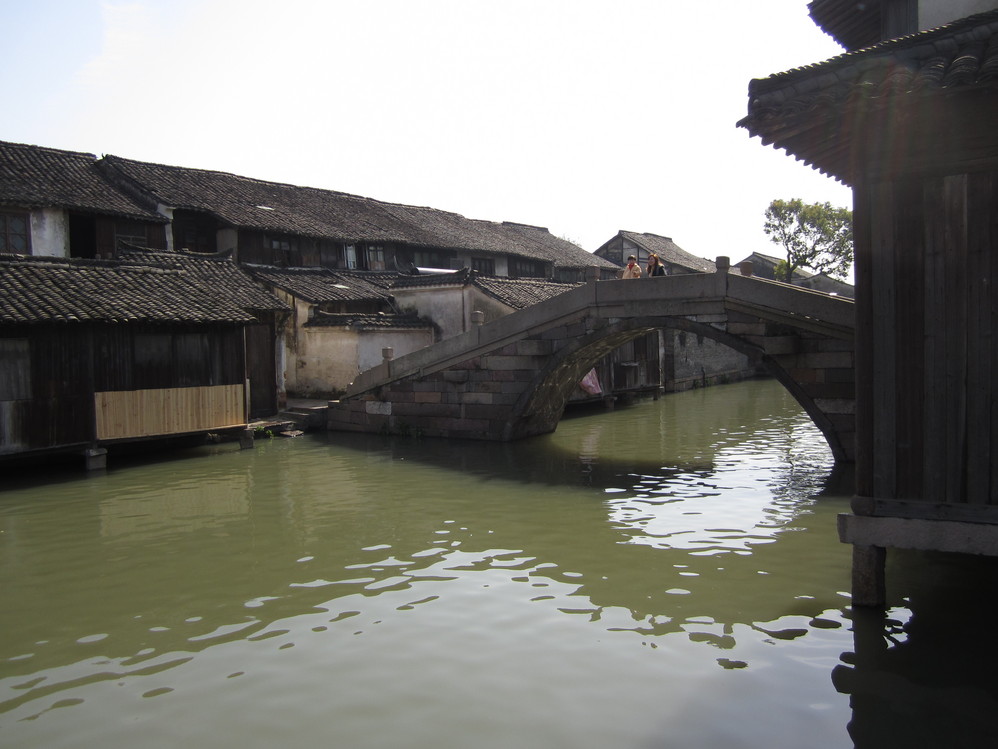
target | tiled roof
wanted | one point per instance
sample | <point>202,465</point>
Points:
<point>669,252</point>
<point>764,266</point>
<point>519,293</point>
<point>513,292</point>
<point>36,177</point>
<point>218,271</point>
<point>47,290</point>
<point>318,285</point>
<point>367,321</point>
<point>457,278</point>
<point>307,211</point>
<point>801,110</point>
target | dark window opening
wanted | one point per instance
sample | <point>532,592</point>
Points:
<point>15,236</point>
<point>130,232</point>
<point>485,266</point>
<point>375,257</point>
<point>430,259</point>
<point>525,269</point>
<point>194,232</point>
<point>82,236</point>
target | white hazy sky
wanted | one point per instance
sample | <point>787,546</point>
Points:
<point>581,116</point>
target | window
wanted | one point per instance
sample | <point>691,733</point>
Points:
<point>193,232</point>
<point>132,232</point>
<point>351,253</point>
<point>375,257</point>
<point>282,250</point>
<point>282,244</point>
<point>427,259</point>
<point>525,269</point>
<point>485,266</point>
<point>14,235</point>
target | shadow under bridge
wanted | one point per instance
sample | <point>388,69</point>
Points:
<point>511,378</point>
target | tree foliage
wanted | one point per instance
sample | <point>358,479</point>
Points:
<point>817,236</point>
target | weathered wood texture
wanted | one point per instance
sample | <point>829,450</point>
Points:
<point>150,413</point>
<point>926,305</point>
<point>49,375</point>
<point>260,365</point>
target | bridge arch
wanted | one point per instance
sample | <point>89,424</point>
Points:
<point>541,406</point>
<point>512,377</point>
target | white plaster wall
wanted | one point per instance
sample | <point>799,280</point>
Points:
<point>50,232</point>
<point>165,210</point>
<point>933,13</point>
<point>326,360</point>
<point>402,341</point>
<point>330,358</point>
<point>491,307</point>
<point>445,306</point>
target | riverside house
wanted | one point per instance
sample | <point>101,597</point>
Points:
<point>95,353</point>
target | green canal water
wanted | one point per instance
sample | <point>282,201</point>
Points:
<point>667,574</point>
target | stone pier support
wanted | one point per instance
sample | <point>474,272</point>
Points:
<point>95,459</point>
<point>246,438</point>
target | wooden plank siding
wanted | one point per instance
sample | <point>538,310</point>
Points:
<point>148,380</point>
<point>42,379</point>
<point>153,413</point>
<point>927,399</point>
<point>863,202</point>
<point>909,267</point>
<point>883,326</point>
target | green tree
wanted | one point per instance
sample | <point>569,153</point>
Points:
<point>817,236</point>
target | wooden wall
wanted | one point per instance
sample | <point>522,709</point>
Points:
<point>927,316</point>
<point>149,380</point>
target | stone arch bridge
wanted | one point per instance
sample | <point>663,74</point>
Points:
<point>511,378</point>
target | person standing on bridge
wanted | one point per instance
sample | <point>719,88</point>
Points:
<point>655,267</point>
<point>632,269</point>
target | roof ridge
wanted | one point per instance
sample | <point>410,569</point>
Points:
<point>49,149</point>
<point>960,30</point>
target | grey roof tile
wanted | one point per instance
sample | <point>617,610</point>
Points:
<point>318,285</point>
<point>789,109</point>
<point>248,203</point>
<point>47,290</point>
<point>36,177</point>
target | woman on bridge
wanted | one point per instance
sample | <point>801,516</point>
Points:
<point>655,267</point>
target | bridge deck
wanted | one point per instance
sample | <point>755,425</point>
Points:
<point>701,295</point>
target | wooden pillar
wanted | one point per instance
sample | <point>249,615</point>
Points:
<point>868,575</point>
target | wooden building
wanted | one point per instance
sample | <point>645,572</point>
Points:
<point>909,123</point>
<point>95,353</point>
<point>275,224</point>
<point>58,203</point>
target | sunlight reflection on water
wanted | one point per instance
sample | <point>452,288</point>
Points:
<point>662,575</point>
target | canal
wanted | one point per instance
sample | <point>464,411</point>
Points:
<point>666,574</point>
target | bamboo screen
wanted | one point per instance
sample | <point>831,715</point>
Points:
<point>150,413</point>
